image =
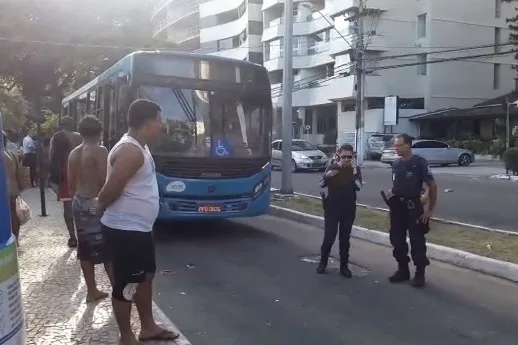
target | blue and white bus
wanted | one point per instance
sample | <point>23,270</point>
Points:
<point>213,157</point>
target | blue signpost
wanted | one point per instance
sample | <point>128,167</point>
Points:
<point>12,325</point>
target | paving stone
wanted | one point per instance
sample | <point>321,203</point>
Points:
<point>53,289</point>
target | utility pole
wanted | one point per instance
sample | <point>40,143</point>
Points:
<point>359,86</point>
<point>287,89</point>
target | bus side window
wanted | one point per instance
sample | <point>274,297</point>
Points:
<point>113,113</point>
<point>123,98</point>
<point>106,95</point>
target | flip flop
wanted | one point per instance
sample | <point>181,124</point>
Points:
<point>98,298</point>
<point>165,335</point>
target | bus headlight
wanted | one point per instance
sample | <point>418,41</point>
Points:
<point>258,188</point>
<point>261,186</point>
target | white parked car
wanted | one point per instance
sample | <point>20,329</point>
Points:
<point>304,156</point>
<point>436,153</point>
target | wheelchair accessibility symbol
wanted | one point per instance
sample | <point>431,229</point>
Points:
<point>222,148</point>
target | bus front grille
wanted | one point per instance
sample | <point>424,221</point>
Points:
<point>208,168</point>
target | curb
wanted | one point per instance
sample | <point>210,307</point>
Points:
<point>496,268</point>
<point>439,220</point>
<point>164,321</point>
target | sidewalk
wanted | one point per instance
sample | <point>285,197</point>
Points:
<point>53,288</point>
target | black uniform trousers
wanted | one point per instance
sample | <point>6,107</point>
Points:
<point>338,218</point>
<point>404,217</point>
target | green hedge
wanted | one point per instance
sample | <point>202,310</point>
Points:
<point>495,148</point>
<point>511,159</point>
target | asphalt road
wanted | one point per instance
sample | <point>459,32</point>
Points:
<point>474,199</point>
<point>244,283</point>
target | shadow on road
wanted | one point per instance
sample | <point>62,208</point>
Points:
<point>205,232</point>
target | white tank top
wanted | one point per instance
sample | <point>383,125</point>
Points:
<point>138,206</point>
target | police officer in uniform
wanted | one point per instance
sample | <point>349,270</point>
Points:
<point>407,212</point>
<point>342,179</point>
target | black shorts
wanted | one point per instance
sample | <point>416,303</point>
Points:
<point>133,256</point>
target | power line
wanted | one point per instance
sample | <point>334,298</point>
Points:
<point>347,65</point>
<point>460,58</point>
<point>107,46</point>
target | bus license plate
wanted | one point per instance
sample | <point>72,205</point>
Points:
<point>209,209</point>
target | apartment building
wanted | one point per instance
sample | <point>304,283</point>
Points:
<point>325,31</point>
<point>230,28</point>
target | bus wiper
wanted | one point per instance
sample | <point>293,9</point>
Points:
<point>189,112</point>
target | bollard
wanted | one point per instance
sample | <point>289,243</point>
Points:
<point>12,325</point>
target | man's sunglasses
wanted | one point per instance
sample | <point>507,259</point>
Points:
<point>347,157</point>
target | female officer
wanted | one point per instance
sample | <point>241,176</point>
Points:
<point>342,179</point>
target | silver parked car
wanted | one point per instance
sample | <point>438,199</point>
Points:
<point>436,153</point>
<point>304,156</point>
<point>377,143</point>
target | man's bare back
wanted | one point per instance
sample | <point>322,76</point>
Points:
<point>89,162</point>
<point>74,138</point>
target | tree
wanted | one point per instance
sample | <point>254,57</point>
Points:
<point>60,44</point>
<point>513,27</point>
<point>13,107</point>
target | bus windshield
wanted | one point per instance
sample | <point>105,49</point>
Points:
<point>200,123</point>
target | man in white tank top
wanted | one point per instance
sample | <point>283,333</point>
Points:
<point>129,199</point>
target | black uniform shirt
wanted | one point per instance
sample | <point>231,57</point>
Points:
<point>342,187</point>
<point>409,175</point>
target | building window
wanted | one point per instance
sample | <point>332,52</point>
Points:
<point>496,76</point>
<point>421,25</point>
<point>411,103</point>
<point>422,66</point>
<point>498,39</point>
<point>347,106</point>
<point>498,8</point>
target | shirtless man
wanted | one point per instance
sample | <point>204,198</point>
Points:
<point>61,144</point>
<point>86,176</point>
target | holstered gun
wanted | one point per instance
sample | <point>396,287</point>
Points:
<point>387,196</point>
<point>324,199</point>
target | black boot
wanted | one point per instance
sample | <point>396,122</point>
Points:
<point>419,278</point>
<point>401,275</point>
<point>344,269</point>
<point>321,269</point>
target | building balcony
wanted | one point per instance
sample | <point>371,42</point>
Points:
<point>222,31</point>
<point>180,36</point>
<point>317,55</point>
<point>179,13</point>
<point>328,90</point>
<point>271,3</point>
<point>158,6</point>
<point>373,42</point>
<point>338,7</point>
<point>301,26</point>
<point>239,53</point>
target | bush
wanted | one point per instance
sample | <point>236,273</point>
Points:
<point>473,145</point>
<point>511,159</point>
<point>497,148</point>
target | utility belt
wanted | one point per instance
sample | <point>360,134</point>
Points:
<point>411,202</point>
<point>333,202</point>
